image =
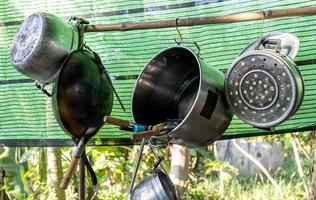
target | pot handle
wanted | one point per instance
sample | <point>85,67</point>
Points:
<point>144,134</point>
<point>264,42</point>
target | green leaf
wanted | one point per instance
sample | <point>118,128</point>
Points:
<point>26,155</point>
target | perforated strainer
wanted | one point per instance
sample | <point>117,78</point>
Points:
<point>264,87</point>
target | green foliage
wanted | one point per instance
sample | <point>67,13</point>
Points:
<point>220,166</point>
<point>241,188</point>
<point>202,190</point>
<point>15,183</point>
<point>27,155</point>
<point>114,166</point>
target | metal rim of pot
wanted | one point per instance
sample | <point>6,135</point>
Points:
<point>161,51</point>
<point>296,85</point>
<point>56,99</point>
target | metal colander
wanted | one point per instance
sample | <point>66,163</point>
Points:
<point>264,88</point>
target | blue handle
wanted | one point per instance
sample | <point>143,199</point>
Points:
<point>138,128</point>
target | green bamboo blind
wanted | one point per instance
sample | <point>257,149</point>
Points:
<point>26,116</point>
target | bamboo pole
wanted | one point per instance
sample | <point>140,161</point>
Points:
<point>240,17</point>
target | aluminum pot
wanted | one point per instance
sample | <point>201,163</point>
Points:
<point>155,187</point>
<point>41,45</point>
<point>264,88</point>
<point>82,95</point>
<point>177,84</point>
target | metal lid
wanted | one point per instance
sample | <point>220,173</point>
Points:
<point>261,88</point>
<point>26,38</point>
<point>287,44</point>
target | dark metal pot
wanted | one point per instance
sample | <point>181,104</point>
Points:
<point>83,95</point>
<point>41,45</point>
<point>155,187</point>
<point>177,84</point>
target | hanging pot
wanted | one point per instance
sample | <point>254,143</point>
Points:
<point>41,45</point>
<point>83,95</point>
<point>177,84</point>
<point>155,187</point>
<point>264,87</point>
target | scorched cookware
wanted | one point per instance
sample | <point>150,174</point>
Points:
<point>82,96</point>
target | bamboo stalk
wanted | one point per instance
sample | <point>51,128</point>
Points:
<point>298,143</point>
<point>299,165</point>
<point>193,21</point>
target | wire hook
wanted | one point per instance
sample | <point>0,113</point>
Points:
<point>261,41</point>
<point>177,28</point>
<point>198,48</point>
<point>181,38</point>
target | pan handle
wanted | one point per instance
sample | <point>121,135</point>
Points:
<point>73,165</point>
<point>70,172</point>
<point>115,121</point>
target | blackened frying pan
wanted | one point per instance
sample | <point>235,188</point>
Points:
<point>82,96</point>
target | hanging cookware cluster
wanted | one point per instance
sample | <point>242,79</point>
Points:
<point>50,50</point>
<point>263,86</point>
<point>195,101</point>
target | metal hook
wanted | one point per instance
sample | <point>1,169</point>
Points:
<point>41,87</point>
<point>80,24</point>
<point>261,30</point>
<point>198,48</point>
<point>181,38</point>
<point>157,163</point>
<point>158,157</point>
<point>177,28</point>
